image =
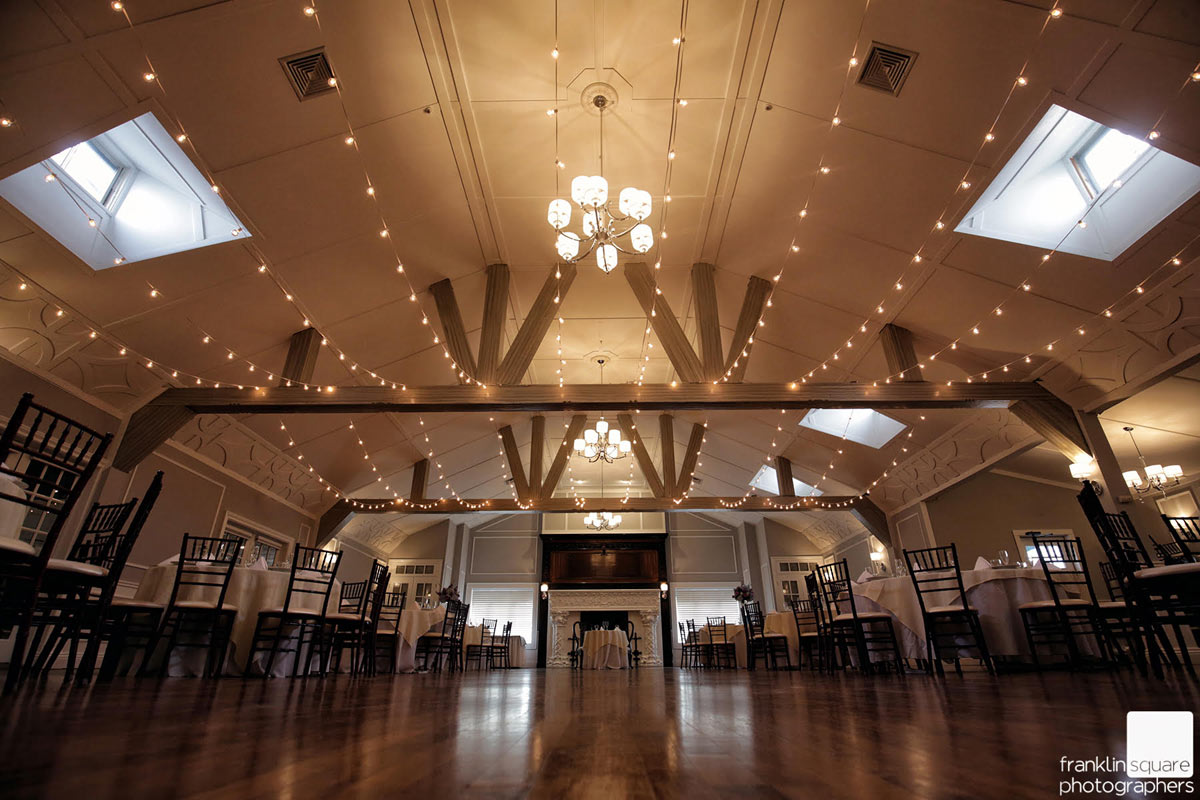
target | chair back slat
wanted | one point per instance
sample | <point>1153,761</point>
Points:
<point>312,575</point>
<point>1186,532</point>
<point>205,566</point>
<point>936,576</point>
<point>96,542</point>
<point>717,634</point>
<point>1112,581</point>
<point>752,620</point>
<point>804,614</point>
<point>392,609</point>
<point>1065,567</point>
<point>837,593</point>
<point>376,590</point>
<point>1124,547</point>
<point>353,597</point>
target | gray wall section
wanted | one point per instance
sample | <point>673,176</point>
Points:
<point>700,549</point>
<point>355,565</point>
<point>783,541</point>
<point>504,550</point>
<point>429,543</point>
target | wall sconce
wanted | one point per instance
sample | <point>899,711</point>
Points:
<point>662,590</point>
<point>545,590</point>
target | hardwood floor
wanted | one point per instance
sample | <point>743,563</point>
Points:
<point>557,733</point>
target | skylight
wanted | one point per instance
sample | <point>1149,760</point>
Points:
<point>88,168</point>
<point>1071,167</point>
<point>127,195</point>
<point>861,425</point>
<point>767,480</point>
<point>1110,155</point>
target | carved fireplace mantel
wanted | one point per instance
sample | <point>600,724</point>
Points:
<point>643,602</point>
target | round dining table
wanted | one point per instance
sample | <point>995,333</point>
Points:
<point>773,622</point>
<point>605,649</point>
<point>251,590</point>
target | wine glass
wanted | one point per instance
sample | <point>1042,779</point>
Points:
<point>1002,559</point>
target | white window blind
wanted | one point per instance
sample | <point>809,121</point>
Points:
<point>698,603</point>
<point>507,604</point>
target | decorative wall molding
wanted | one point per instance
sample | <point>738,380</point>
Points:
<point>976,443</point>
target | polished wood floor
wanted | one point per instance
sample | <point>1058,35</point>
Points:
<point>557,733</point>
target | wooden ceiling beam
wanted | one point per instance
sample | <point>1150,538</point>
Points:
<point>301,360</point>
<point>332,521</point>
<point>704,288</point>
<point>899,353</point>
<point>666,443</point>
<point>453,331</point>
<point>420,479</point>
<point>537,449</point>
<point>533,330</point>
<point>756,503</point>
<point>758,290</point>
<point>662,319</point>
<point>642,455</point>
<point>691,456</point>
<point>783,473</point>
<point>559,462</point>
<point>1056,423</point>
<point>599,397</point>
<point>513,455</point>
<point>148,428</point>
<point>495,304</point>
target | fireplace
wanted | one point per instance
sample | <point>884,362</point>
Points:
<point>603,619</point>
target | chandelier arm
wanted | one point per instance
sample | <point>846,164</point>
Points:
<point>592,242</point>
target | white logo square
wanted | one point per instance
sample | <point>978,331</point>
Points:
<point>1158,744</point>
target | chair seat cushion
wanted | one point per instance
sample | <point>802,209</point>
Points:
<point>136,605</point>
<point>1071,601</point>
<point>295,612</point>
<point>871,615</point>
<point>947,609</point>
<point>1171,570</point>
<point>76,567</point>
<point>344,616</point>
<point>16,546</point>
<point>809,635</point>
<point>202,604</point>
<point>1113,604</point>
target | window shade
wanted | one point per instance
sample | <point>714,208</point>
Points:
<point>701,602</point>
<point>508,604</point>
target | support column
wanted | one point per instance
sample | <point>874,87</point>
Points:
<point>1115,492</point>
<point>764,561</point>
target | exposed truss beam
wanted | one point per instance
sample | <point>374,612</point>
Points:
<point>783,473</point>
<point>420,478</point>
<point>1056,423</point>
<point>690,457</point>
<point>386,505</point>
<point>149,427</point>
<point>537,448</point>
<point>513,455</point>
<point>495,303</point>
<point>666,444</point>
<point>559,462</point>
<point>537,322</point>
<point>453,330</point>
<point>899,352</point>
<point>708,321</point>
<point>757,292</point>
<point>301,360</point>
<point>666,327</point>
<point>649,472</point>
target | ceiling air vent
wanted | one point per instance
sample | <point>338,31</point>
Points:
<point>886,68</point>
<point>308,73</point>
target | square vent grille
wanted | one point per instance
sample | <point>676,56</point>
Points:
<point>886,68</point>
<point>308,73</point>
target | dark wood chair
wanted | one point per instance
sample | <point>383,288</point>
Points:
<point>81,588</point>
<point>633,644</point>
<point>387,635</point>
<point>500,655</point>
<point>1160,595</point>
<point>703,650</point>
<point>759,643</point>
<point>54,458</point>
<point>576,644</point>
<point>824,631</point>
<point>868,632</point>
<point>352,599</point>
<point>1072,612</point>
<point>808,631</point>
<point>1186,532</point>
<point>479,653</point>
<point>196,614</point>
<point>948,618</point>
<point>309,582</point>
<point>445,645</point>
<point>721,652</point>
<point>689,649</point>
<point>355,624</point>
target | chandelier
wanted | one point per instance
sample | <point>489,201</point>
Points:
<point>602,443</point>
<point>602,521</point>
<point>1158,477</point>
<point>604,231</point>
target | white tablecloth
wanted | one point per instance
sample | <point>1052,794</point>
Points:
<point>251,591</point>
<point>605,650</point>
<point>414,623</point>
<point>516,644</point>
<point>996,594</point>
<point>11,516</point>
<point>773,622</point>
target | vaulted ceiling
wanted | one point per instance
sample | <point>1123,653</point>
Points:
<point>448,102</point>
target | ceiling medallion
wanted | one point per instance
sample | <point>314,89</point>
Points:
<point>604,231</point>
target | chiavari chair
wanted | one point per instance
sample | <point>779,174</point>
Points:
<point>1186,532</point>
<point>446,643</point>
<point>310,583</point>
<point>196,615</point>
<point>807,631</point>
<point>82,587</point>
<point>721,651</point>
<point>824,632</point>
<point>704,657</point>
<point>868,632</point>
<point>387,632</point>
<point>689,650</point>
<point>352,598</point>
<point>478,652</point>
<point>51,458</point>
<point>576,642</point>
<point>500,654</point>
<point>759,642</point>
<point>632,644</point>
<point>948,617</point>
<point>1072,613</point>
<point>355,625</point>
<point>1158,595</point>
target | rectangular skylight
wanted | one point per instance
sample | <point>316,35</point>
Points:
<point>767,480</point>
<point>127,195</point>
<point>88,168</point>
<point>862,425</point>
<point>1070,168</point>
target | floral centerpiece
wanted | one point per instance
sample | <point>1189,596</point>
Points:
<point>448,594</point>
<point>743,593</point>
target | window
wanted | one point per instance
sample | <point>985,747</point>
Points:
<point>1027,551</point>
<point>861,425</point>
<point>698,603</point>
<point>127,195</point>
<point>88,167</point>
<point>1108,157</point>
<point>1070,166</point>
<point>767,480</point>
<point>513,604</point>
<point>37,523</point>
<point>421,576</point>
<point>789,573</point>
<point>259,543</point>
